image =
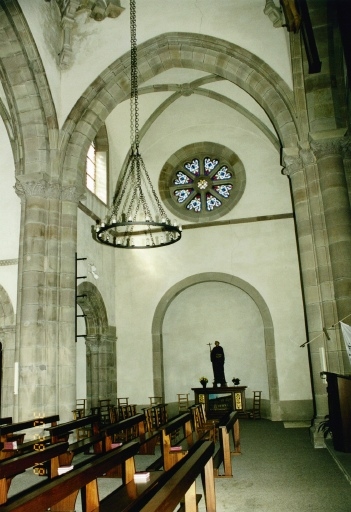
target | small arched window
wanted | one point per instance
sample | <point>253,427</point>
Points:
<point>96,171</point>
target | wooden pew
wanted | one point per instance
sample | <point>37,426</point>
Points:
<point>9,468</point>
<point>228,424</point>
<point>12,432</point>
<point>62,432</point>
<point>6,421</point>
<point>162,490</point>
<point>131,428</point>
<point>179,482</point>
<point>177,437</point>
<point>60,493</point>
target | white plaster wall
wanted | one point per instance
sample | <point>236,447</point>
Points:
<point>10,208</point>
<point>263,254</point>
<point>95,45</point>
<point>103,261</point>
<point>202,314</point>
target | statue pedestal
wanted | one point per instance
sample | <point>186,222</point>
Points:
<point>220,400</point>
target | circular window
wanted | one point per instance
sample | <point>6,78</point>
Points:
<point>202,181</point>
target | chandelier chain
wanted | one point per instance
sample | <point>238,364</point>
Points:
<point>134,108</point>
<point>137,219</point>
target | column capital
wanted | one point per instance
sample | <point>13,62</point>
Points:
<point>292,161</point>
<point>40,185</point>
<point>346,147</point>
<point>327,147</point>
<point>93,342</point>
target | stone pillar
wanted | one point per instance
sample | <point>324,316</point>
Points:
<point>93,384</point>
<point>7,338</point>
<point>101,368</point>
<point>336,207</point>
<point>45,344</point>
<point>346,150</point>
<point>301,168</point>
<point>107,367</point>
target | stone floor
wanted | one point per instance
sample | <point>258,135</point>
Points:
<point>277,471</point>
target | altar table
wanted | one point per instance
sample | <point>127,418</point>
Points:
<point>220,400</point>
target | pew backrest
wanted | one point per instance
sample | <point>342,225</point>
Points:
<point>179,480</point>
<point>56,490</point>
<point>63,430</point>
<point>25,425</point>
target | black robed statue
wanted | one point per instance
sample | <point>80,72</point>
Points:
<point>217,359</point>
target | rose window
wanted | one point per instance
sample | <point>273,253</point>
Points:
<point>202,185</point>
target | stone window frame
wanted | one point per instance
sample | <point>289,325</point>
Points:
<point>201,150</point>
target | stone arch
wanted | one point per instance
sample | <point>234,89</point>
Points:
<point>7,344</point>
<point>169,296</point>
<point>32,122</point>
<point>209,54</point>
<point>7,316</point>
<point>100,346</point>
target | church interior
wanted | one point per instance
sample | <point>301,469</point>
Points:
<point>240,113</point>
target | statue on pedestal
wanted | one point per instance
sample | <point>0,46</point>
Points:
<point>217,359</point>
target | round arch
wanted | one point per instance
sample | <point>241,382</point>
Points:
<point>174,291</point>
<point>167,51</point>
<point>7,353</point>
<point>101,364</point>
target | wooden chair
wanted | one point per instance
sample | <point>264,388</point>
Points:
<point>80,412</point>
<point>154,400</point>
<point>206,429</point>
<point>255,412</point>
<point>183,402</point>
<point>105,416</point>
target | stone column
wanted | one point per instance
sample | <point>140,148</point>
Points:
<point>93,384</point>
<point>101,368</point>
<point>311,238</point>
<point>7,338</point>
<point>336,207</point>
<point>45,344</point>
<point>346,150</point>
<point>107,367</point>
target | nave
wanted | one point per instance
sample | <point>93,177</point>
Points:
<point>277,471</point>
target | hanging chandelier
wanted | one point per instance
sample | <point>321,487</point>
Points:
<point>136,219</point>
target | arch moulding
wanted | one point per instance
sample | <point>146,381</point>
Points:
<point>174,291</point>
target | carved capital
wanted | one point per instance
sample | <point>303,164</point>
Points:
<point>73,193</point>
<point>93,343</point>
<point>292,162</point>
<point>41,186</point>
<point>36,187</point>
<point>307,156</point>
<point>327,147</point>
<point>346,148</point>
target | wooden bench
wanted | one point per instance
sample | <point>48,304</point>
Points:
<point>6,421</point>
<point>228,424</point>
<point>9,468</point>
<point>177,437</point>
<point>62,432</point>
<point>179,482</point>
<point>158,494</point>
<point>12,433</point>
<point>60,493</point>
<point>128,429</point>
